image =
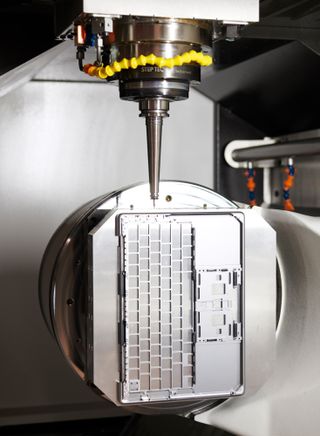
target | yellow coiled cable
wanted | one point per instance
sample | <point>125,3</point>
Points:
<point>108,71</point>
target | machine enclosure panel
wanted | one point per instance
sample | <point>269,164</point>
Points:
<point>233,11</point>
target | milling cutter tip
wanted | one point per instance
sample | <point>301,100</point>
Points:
<point>154,195</point>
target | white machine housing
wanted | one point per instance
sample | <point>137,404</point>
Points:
<point>227,11</point>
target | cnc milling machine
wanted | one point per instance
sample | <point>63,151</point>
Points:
<point>166,297</point>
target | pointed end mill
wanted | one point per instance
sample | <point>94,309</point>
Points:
<point>154,110</point>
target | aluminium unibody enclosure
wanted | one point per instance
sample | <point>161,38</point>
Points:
<point>181,311</point>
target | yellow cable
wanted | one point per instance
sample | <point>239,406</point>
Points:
<point>109,70</point>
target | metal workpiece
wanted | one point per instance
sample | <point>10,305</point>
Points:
<point>180,331</point>
<point>162,360</point>
<point>180,269</point>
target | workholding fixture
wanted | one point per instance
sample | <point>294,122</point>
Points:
<point>153,318</point>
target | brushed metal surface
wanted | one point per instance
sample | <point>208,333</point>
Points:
<point>150,29</point>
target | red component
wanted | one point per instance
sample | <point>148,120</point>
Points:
<point>111,37</point>
<point>81,35</point>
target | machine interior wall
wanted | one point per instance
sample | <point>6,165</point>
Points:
<point>62,144</point>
